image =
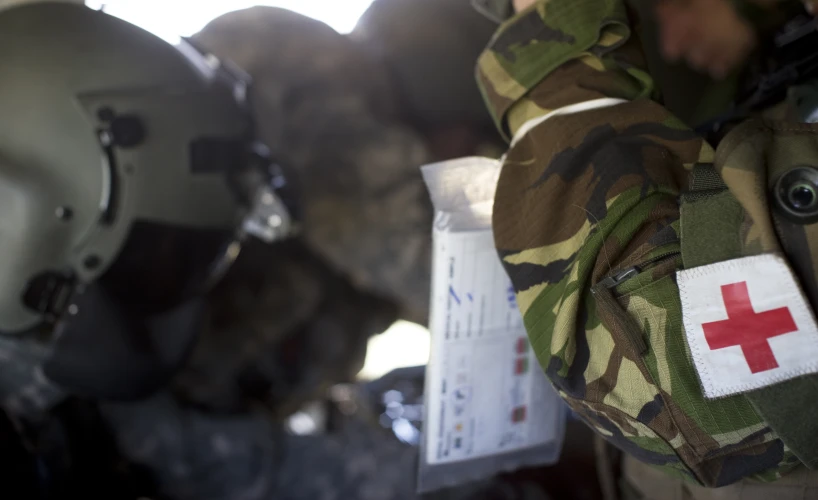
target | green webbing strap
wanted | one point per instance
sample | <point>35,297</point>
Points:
<point>707,239</point>
<point>706,180</point>
<point>711,221</point>
<point>789,409</point>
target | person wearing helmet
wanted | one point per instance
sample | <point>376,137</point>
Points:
<point>276,324</point>
<point>130,179</point>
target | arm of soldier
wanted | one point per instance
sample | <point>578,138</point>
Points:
<point>595,167</point>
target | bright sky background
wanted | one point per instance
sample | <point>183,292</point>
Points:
<point>171,19</point>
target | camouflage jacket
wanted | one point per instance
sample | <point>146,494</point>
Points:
<point>588,193</point>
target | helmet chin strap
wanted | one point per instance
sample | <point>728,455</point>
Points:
<point>106,351</point>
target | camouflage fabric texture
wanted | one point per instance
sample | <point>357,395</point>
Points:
<point>330,113</point>
<point>586,196</point>
<point>647,483</point>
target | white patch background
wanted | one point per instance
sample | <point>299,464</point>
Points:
<point>771,285</point>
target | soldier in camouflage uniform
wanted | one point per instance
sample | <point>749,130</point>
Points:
<point>588,225</point>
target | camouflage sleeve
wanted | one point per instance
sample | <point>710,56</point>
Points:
<point>583,194</point>
<point>585,197</point>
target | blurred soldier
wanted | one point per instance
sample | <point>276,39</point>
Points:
<point>331,113</point>
<point>415,39</point>
<point>644,260</point>
<point>338,117</point>
<point>311,95</point>
<point>280,334</point>
<point>117,230</point>
<point>277,328</point>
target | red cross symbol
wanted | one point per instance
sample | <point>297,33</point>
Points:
<point>747,328</point>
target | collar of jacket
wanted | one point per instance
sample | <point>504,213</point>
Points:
<point>498,11</point>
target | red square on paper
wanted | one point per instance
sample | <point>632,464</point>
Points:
<point>518,415</point>
<point>521,366</point>
<point>522,345</point>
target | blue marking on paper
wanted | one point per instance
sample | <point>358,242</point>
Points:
<point>512,298</point>
<point>453,294</point>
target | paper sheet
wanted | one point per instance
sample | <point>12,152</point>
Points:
<point>488,395</point>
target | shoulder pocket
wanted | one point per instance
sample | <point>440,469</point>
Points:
<point>609,291</point>
<point>711,438</point>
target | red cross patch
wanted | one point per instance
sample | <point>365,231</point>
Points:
<point>748,324</point>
